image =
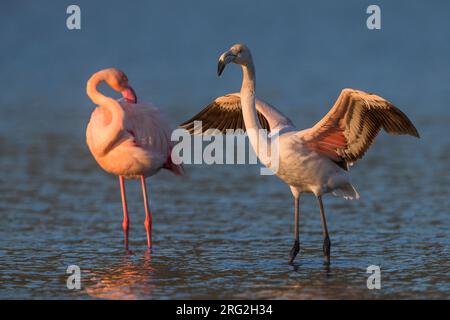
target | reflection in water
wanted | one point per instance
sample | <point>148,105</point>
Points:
<point>121,281</point>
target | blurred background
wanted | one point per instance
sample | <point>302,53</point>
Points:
<point>222,231</point>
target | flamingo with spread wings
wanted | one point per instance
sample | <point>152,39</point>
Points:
<point>128,139</point>
<point>314,160</point>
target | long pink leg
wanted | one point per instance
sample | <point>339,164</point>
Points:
<point>148,214</point>
<point>126,219</point>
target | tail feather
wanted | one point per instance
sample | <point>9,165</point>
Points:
<point>171,166</point>
<point>346,191</point>
<point>175,168</point>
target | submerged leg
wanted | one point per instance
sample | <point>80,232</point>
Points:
<point>126,220</point>
<point>326,238</point>
<point>148,214</point>
<point>296,247</point>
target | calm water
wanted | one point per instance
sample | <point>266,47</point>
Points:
<point>221,231</point>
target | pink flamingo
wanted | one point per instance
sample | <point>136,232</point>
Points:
<point>128,139</point>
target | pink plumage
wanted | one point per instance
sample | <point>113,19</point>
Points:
<point>128,139</point>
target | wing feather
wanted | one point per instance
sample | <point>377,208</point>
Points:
<point>348,130</point>
<point>226,113</point>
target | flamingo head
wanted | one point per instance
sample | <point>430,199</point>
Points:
<point>118,80</point>
<point>238,54</point>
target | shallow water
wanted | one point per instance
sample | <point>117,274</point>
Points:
<point>222,231</point>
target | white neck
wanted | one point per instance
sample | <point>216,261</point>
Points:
<point>253,127</point>
<point>248,97</point>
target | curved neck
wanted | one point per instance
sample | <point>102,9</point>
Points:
<point>91,88</point>
<point>111,132</point>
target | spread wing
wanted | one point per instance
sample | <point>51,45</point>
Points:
<point>226,113</point>
<point>350,127</point>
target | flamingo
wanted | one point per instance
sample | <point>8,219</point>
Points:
<point>128,139</point>
<point>314,160</point>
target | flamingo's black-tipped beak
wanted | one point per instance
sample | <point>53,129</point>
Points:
<point>224,59</point>
<point>129,95</point>
<point>220,67</point>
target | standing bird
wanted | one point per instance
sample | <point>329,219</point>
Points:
<point>313,160</point>
<point>128,139</point>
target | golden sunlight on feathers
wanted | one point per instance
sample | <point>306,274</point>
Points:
<point>350,127</point>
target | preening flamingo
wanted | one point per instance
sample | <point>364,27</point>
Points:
<point>128,139</point>
<point>314,160</point>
